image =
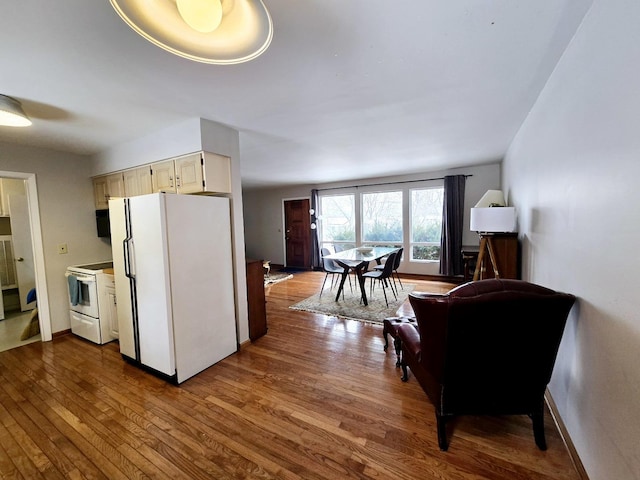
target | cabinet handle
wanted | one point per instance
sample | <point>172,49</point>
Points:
<point>178,180</point>
<point>171,180</point>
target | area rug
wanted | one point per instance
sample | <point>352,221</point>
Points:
<point>276,278</point>
<point>351,308</point>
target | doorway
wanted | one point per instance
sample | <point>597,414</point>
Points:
<point>297,238</point>
<point>29,252</point>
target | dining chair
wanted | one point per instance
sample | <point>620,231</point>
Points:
<point>396,265</point>
<point>383,276</point>
<point>331,268</point>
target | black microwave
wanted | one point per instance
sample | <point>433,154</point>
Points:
<point>102,223</point>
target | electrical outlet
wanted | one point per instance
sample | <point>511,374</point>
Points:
<point>62,248</point>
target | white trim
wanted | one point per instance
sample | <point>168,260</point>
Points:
<point>564,434</point>
<point>38,250</point>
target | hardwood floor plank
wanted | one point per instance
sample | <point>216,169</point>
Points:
<point>315,398</point>
<point>41,449</point>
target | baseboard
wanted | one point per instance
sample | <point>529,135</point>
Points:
<point>433,278</point>
<point>61,333</point>
<point>564,433</point>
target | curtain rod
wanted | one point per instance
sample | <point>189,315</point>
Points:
<point>385,183</point>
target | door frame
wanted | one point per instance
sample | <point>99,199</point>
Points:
<point>284,226</point>
<point>38,250</point>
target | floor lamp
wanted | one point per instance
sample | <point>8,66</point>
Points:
<point>489,217</point>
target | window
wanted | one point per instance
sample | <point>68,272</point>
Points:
<point>338,221</point>
<point>426,223</point>
<point>382,218</point>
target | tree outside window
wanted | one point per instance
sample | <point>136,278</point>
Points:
<point>382,218</point>
<point>426,223</point>
<point>338,221</point>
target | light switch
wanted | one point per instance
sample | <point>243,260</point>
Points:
<point>62,248</point>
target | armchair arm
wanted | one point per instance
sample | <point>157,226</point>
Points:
<point>429,295</point>
<point>410,338</point>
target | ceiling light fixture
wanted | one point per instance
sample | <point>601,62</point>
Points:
<point>220,32</point>
<point>11,113</point>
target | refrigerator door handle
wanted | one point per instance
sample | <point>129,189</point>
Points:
<point>125,249</point>
<point>129,258</point>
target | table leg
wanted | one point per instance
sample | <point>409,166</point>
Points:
<point>361,281</point>
<point>345,273</point>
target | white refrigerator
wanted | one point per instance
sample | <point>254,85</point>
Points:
<point>173,271</point>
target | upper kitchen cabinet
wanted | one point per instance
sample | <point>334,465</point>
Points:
<point>105,187</point>
<point>216,171</point>
<point>137,181</point>
<point>189,173</point>
<point>163,177</point>
<point>200,172</point>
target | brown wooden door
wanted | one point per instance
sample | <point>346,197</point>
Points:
<point>297,223</point>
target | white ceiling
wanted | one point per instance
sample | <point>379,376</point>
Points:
<point>348,88</point>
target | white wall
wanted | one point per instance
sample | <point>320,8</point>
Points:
<point>67,215</point>
<point>263,213</point>
<point>573,173</point>
<point>173,141</point>
<point>191,136</point>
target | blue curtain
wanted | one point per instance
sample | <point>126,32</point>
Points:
<point>452,225</point>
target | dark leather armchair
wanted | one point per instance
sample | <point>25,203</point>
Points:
<point>486,347</point>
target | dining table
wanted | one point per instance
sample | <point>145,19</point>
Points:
<point>357,259</point>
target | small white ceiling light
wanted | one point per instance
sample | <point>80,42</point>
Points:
<point>220,32</point>
<point>11,113</point>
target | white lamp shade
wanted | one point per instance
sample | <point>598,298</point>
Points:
<point>493,219</point>
<point>493,198</point>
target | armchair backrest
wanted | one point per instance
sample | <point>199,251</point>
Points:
<point>491,335</point>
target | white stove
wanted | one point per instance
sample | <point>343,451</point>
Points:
<point>91,268</point>
<point>91,293</point>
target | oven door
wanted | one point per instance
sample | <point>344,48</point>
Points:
<point>88,298</point>
<point>85,326</point>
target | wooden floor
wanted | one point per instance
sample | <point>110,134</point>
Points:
<point>316,398</point>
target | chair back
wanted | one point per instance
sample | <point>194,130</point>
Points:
<point>396,264</point>
<point>491,344</point>
<point>328,265</point>
<point>388,266</point>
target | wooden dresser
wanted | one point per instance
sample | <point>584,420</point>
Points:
<point>506,249</point>
<point>256,299</point>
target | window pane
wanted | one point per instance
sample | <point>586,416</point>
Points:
<point>425,253</point>
<point>382,217</point>
<point>426,223</point>
<point>337,218</point>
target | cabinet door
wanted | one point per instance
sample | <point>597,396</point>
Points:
<point>163,177</point>
<point>112,313</point>
<point>137,181</point>
<point>217,173</point>
<point>144,179</point>
<point>115,186</point>
<point>189,173</point>
<point>131,186</point>
<point>101,193</point>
